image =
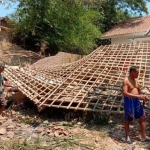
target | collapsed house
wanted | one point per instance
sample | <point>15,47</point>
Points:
<point>12,54</point>
<point>93,83</point>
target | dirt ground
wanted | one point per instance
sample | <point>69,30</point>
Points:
<point>60,129</point>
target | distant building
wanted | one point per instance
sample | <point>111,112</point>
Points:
<point>4,35</point>
<point>132,30</point>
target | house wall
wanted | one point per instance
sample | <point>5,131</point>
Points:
<point>128,38</point>
<point>120,40</point>
<point>144,39</point>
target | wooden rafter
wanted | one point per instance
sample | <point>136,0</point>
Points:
<point>93,83</point>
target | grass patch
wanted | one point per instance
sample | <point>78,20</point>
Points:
<point>39,144</point>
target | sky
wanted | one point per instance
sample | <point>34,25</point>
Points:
<point>5,12</point>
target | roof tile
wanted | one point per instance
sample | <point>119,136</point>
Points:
<point>129,26</point>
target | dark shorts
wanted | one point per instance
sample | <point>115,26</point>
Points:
<point>2,100</point>
<point>133,108</point>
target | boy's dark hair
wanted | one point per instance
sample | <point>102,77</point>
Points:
<point>133,68</point>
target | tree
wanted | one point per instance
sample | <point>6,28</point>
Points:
<point>70,25</point>
<point>115,11</point>
<point>62,24</point>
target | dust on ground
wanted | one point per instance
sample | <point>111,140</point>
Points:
<point>60,129</point>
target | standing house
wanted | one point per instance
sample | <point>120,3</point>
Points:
<point>132,30</point>
<point>4,35</point>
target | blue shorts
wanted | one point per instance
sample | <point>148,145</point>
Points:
<point>133,108</point>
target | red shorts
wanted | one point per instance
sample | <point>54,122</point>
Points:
<point>2,100</point>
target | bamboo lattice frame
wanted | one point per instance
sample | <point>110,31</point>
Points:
<point>93,83</point>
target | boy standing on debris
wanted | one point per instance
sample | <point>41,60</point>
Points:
<point>132,105</point>
<point>2,97</point>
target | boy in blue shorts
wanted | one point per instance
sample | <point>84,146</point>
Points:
<point>132,105</point>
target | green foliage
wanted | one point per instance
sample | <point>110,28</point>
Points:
<point>132,6</point>
<point>70,25</point>
<point>115,11</point>
<point>65,24</point>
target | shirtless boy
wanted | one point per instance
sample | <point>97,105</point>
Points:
<point>132,105</point>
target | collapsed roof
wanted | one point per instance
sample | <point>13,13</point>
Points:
<point>92,83</point>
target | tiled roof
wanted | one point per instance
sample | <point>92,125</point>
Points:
<point>129,26</point>
<point>4,18</point>
<point>2,28</point>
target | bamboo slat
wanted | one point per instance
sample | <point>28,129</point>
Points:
<point>93,83</point>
